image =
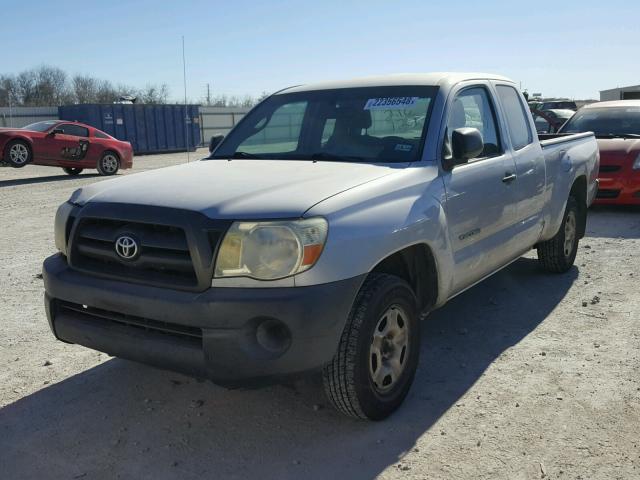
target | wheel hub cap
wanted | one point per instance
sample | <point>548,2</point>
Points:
<point>18,153</point>
<point>389,349</point>
<point>109,163</point>
<point>569,233</point>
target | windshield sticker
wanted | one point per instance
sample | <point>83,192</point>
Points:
<point>403,147</point>
<point>388,103</point>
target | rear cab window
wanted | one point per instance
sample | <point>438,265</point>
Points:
<point>515,117</point>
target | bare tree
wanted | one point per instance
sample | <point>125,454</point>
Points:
<point>85,89</point>
<point>8,90</point>
<point>153,94</point>
<point>51,86</point>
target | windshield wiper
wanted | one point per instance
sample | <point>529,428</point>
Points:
<point>237,155</point>
<point>620,135</point>
<point>324,156</point>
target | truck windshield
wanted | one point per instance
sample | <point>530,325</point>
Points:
<point>606,122</point>
<point>372,124</point>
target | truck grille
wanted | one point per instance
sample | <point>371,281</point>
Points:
<point>186,333</point>
<point>609,168</point>
<point>164,253</point>
<point>173,249</point>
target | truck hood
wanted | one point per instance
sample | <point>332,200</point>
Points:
<point>237,189</point>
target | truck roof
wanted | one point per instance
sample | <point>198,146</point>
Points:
<point>427,79</point>
<point>614,103</point>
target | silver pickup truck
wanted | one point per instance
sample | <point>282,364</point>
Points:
<point>318,232</point>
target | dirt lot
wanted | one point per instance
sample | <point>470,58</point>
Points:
<point>525,376</point>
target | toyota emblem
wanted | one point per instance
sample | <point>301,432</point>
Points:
<point>126,247</point>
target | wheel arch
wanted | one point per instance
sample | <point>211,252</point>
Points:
<point>579,192</point>
<point>416,264</point>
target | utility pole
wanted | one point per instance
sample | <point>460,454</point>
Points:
<point>186,111</point>
<point>208,95</point>
<point>10,94</point>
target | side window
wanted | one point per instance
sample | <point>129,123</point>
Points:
<point>280,133</point>
<point>99,134</point>
<point>516,117</point>
<point>75,130</point>
<point>472,108</point>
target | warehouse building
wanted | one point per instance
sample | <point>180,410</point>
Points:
<point>621,93</point>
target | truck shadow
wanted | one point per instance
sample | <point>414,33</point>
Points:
<point>49,178</point>
<point>127,420</point>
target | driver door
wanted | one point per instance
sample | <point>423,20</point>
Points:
<point>64,147</point>
<point>480,199</point>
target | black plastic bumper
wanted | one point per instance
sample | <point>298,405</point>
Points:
<point>229,335</point>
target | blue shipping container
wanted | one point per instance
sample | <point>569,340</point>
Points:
<point>149,128</point>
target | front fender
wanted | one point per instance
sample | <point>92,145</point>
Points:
<point>373,221</point>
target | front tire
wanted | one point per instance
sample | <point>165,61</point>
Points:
<point>109,164</point>
<point>17,153</point>
<point>557,254</point>
<point>373,368</point>
<point>73,171</point>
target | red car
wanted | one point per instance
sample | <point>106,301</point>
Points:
<point>70,145</point>
<point>617,128</point>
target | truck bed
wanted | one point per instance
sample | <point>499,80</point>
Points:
<point>553,139</point>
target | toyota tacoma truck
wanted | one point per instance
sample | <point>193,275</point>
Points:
<point>318,232</point>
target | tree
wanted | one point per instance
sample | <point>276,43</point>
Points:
<point>152,94</point>
<point>85,89</point>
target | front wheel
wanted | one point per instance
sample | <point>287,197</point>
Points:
<point>373,368</point>
<point>17,153</point>
<point>109,164</point>
<point>557,254</point>
<point>73,171</point>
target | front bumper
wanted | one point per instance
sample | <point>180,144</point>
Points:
<point>619,190</point>
<point>229,335</point>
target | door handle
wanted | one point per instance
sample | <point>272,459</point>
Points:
<point>509,177</point>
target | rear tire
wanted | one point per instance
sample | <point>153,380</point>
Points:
<point>18,153</point>
<point>109,164</point>
<point>557,254</point>
<point>376,360</point>
<point>73,171</point>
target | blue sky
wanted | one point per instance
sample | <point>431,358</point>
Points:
<point>574,49</point>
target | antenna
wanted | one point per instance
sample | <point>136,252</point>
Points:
<point>186,112</point>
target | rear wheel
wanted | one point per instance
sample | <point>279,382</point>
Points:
<point>373,368</point>
<point>73,171</point>
<point>558,253</point>
<point>109,164</point>
<point>17,153</point>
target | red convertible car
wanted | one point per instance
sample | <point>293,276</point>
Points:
<point>617,128</point>
<point>70,145</point>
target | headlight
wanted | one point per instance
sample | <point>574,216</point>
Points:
<point>271,250</point>
<point>62,227</point>
<point>636,164</point>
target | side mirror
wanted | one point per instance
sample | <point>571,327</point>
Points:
<point>57,131</point>
<point>215,141</point>
<point>466,143</point>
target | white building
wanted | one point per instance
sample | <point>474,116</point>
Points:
<point>621,93</point>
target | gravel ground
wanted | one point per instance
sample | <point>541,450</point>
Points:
<point>525,376</point>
